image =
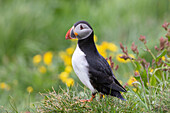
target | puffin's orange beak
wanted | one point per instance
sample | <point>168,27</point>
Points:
<point>70,34</point>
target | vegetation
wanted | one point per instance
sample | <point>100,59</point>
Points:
<point>69,101</point>
<point>36,57</point>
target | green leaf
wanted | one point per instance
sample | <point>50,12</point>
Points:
<point>153,80</point>
<point>138,66</point>
<point>139,97</point>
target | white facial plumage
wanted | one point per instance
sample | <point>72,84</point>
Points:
<point>83,31</point>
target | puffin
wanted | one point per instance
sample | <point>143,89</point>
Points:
<point>90,66</point>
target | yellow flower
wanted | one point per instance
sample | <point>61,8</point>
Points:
<point>150,70</point>
<point>70,82</point>
<point>66,58</point>
<point>163,58</point>
<point>109,62</point>
<point>101,50</point>
<point>112,47</point>
<point>104,54</point>
<point>68,69</point>
<point>98,48</point>
<point>48,58</point>
<point>104,45</point>
<point>42,69</point>
<point>95,38</point>
<point>70,50</point>
<point>30,89</point>
<point>3,85</point>
<point>121,59</point>
<point>131,80</point>
<point>37,59</point>
<point>63,76</point>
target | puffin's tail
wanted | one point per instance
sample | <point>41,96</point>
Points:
<point>121,97</point>
<point>117,94</point>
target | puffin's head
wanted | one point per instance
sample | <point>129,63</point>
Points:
<point>80,30</point>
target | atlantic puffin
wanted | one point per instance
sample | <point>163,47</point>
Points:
<point>92,68</point>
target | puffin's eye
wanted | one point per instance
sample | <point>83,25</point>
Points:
<point>81,27</point>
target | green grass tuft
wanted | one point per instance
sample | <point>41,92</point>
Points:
<point>68,100</point>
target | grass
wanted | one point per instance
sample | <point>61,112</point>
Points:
<point>68,100</point>
<point>34,27</point>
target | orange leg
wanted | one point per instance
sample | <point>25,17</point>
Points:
<point>89,100</point>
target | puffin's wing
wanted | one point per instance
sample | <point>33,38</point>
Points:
<point>102,75</point>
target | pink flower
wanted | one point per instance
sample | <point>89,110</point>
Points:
<point>165,25</point>
<point>143,39</point>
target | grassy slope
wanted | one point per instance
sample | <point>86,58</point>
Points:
<point>69,101</point>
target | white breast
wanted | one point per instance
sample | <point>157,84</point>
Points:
<point>80,67</point>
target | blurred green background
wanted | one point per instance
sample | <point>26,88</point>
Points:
<point>30,27</point>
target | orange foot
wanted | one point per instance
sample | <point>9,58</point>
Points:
<point>89,100</point>
<point>85,100</point>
